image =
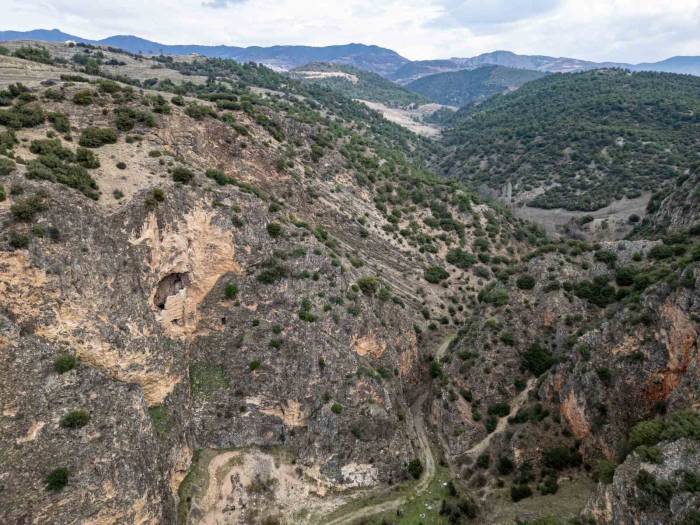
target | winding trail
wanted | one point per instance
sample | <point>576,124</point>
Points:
<point>417,422</point>
<point>482,445</point>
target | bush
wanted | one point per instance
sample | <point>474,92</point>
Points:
<point>537,359</point>
<point>96,137</point>
<point>435,274</point>
<point>84,97</point>
<point>661,251</point>
<point>494,295</point>
<point>606,256</point>
<point>182,175</point>
<point>560,458</point>
<point>504,466</point>
<point>604,470</point>
<point>254,365</point>
<point>624,275</point>
<point>18,240</point>
<point>22,116</point>
<point>60,122</point>
<point>35,54</point>
<point>460,258</point>
<point>525,282</point>
<point>597,291</point>
<point>3,196</point>
<point>415,468</point>
<point>499,409</point>
<point>483,461</point>
<point>230,290</point>
<point>86,158</point>
<point>7,166</point>
<point>75,419</point>
<point>64,363</point>
<point>26,208</point>
<point>219,176</point>
<point>274,230</point>
<point>126,118</point>
<point>519,492</point>
<point>57,479</point>
<point>337,408</point>
<point>274,271</point>
<point>369,285</point>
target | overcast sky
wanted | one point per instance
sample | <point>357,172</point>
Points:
<point>618,30</point>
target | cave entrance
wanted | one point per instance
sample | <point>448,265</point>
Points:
<point>169,285</point>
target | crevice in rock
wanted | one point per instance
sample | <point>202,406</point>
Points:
<point>169,285</point>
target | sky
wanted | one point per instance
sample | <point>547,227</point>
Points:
<point>614,30</point>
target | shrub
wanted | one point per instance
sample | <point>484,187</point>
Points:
<point>26,208</point>
<point>57,479</point>
<point>3,196</point>
<point>525,282</point>
<point>75,419</point>
<point>230,290</point>
<point>219,176</point>
<point>96,137</point>
<point>64,363</point>
<point>604,470</point>
<point>126,118</point>
<point>182,175</point>
<point>460,258</point>
<point>337,408</point>
<point>35,54</point>
<point>23,116</point>
<point>499,409</point>
<point>59,121</point>
<point>537,359</point>
<point>369,285</point>
<point>7,166</point>
<point>435,370</point>
<point>274,271</point>
<point>660,490</point>
<point>84,97</point>
<point>624,275</point>
<point>504,465</point>
<point>645,433</point>
<point>661,251</point>
<point>198,111</point>
<point>560,458</point>
<point>415,468</point>
<point>494,295</point>
<point>605,256</point>
<point>519,492</point>
<point>18,240</point>
<point>483,461</point>
<point>86,158</point>
<point>597,291</point>
<point>274,229</point>
<point>254,365</point>
<point>435,274</point>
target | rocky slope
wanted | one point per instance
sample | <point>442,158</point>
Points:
<point>224,302</point>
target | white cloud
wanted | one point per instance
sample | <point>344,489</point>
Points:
<point>618,30</point>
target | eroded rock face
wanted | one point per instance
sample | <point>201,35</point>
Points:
<point>650,493</point>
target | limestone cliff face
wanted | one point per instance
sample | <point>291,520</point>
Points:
<point>650,493</point>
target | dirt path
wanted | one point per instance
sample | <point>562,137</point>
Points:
<point>417,422</point>
<point>482,445</point>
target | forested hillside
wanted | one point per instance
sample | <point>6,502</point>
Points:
<point>461,88</point>
<point>580,141</point>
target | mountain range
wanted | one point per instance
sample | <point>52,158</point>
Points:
<point>376,59</point>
